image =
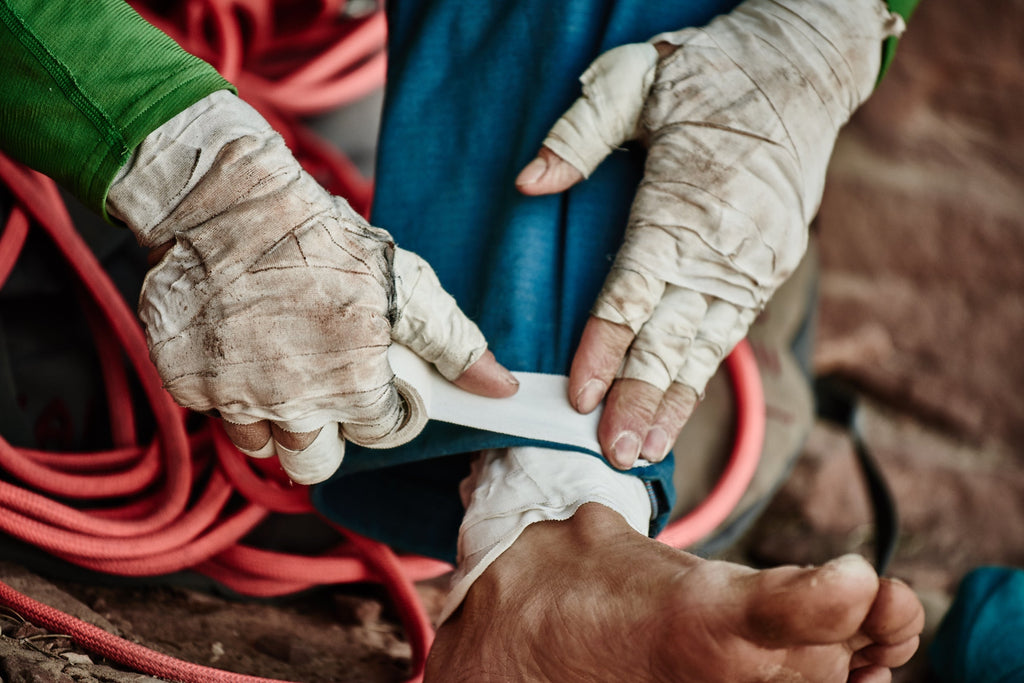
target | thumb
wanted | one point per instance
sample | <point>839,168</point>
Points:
<point>548,173</point>
<point>606,115</point>
<point>433,326</point>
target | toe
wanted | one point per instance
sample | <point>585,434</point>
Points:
<point>885,655</point>
<point>873,674</point>
<point>796,606</point>
<point>896,615</point>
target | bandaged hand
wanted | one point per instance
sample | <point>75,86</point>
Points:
<point>740,118</point>
<point>274,303</point>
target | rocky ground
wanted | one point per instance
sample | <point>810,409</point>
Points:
<point>922,307</point>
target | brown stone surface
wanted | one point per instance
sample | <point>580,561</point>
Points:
<point>30,654</point>
<point>922,227</point>
<point>922,306</point>
<point>958,504</point>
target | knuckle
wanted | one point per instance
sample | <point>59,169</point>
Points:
<point>248,436</point>
<point>677,406</point>
<point>294,441</point>
<point>634,400</point>
<point>629,295</point>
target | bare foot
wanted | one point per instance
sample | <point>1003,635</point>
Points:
<point>589,599</point>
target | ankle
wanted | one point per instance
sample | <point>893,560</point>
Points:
<point>543,548</point>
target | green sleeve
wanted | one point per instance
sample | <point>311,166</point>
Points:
<point>81,85</point>
<point>904,8</point>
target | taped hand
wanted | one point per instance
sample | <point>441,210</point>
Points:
<point>276,303</point>
<point>739,118</point>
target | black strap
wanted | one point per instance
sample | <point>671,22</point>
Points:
<point>837,403</point>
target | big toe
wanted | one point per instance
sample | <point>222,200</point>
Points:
<point>791,606</point>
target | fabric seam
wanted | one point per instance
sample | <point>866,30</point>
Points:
<point>65,81</point>
<point>124,152</point>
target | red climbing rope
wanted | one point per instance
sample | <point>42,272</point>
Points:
<point>186,499</point>
<point>746,453</point>
<point>155,529</point>
<point>122,651</point>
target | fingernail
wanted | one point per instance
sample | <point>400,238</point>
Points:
<point>509,377</point>
<point>626,449</point>
<point>533,171</point>
<point>656,444</point>
<point>850,562</point>
<point>590,395</point>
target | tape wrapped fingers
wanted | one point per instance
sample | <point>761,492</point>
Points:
<point>276,301</point>
<point>740,120</point>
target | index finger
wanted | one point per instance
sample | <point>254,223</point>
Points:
<point>598,358</point>
<point>626,302</point>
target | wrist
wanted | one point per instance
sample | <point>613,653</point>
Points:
<point>175,158</point>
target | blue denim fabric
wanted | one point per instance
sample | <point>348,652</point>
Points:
<point>472,89</point>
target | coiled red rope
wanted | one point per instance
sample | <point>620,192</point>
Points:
<point>187,498</point>
<point>158,531</point>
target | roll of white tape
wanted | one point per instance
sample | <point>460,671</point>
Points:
<point>540,410</point>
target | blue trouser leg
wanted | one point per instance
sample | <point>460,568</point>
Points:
<point>472,90</point>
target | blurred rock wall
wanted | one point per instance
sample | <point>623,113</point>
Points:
<point>922,227</point>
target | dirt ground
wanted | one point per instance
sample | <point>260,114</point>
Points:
<point>319,637</point>
<point>922,307</point>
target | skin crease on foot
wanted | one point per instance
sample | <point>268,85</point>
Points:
<point>589,599</point>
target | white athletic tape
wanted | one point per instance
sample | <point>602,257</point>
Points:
<point>317,461</point>
<point>510,489</point>
<point>276,300</point>
<point>739,122</point>
<point>540,410</point>
<point>614,89</point>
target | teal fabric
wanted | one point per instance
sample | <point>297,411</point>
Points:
<point>472,90</point>
<point>84,83</point>
<point>981,638</point>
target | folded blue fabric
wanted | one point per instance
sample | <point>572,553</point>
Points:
<point>981,638</point>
